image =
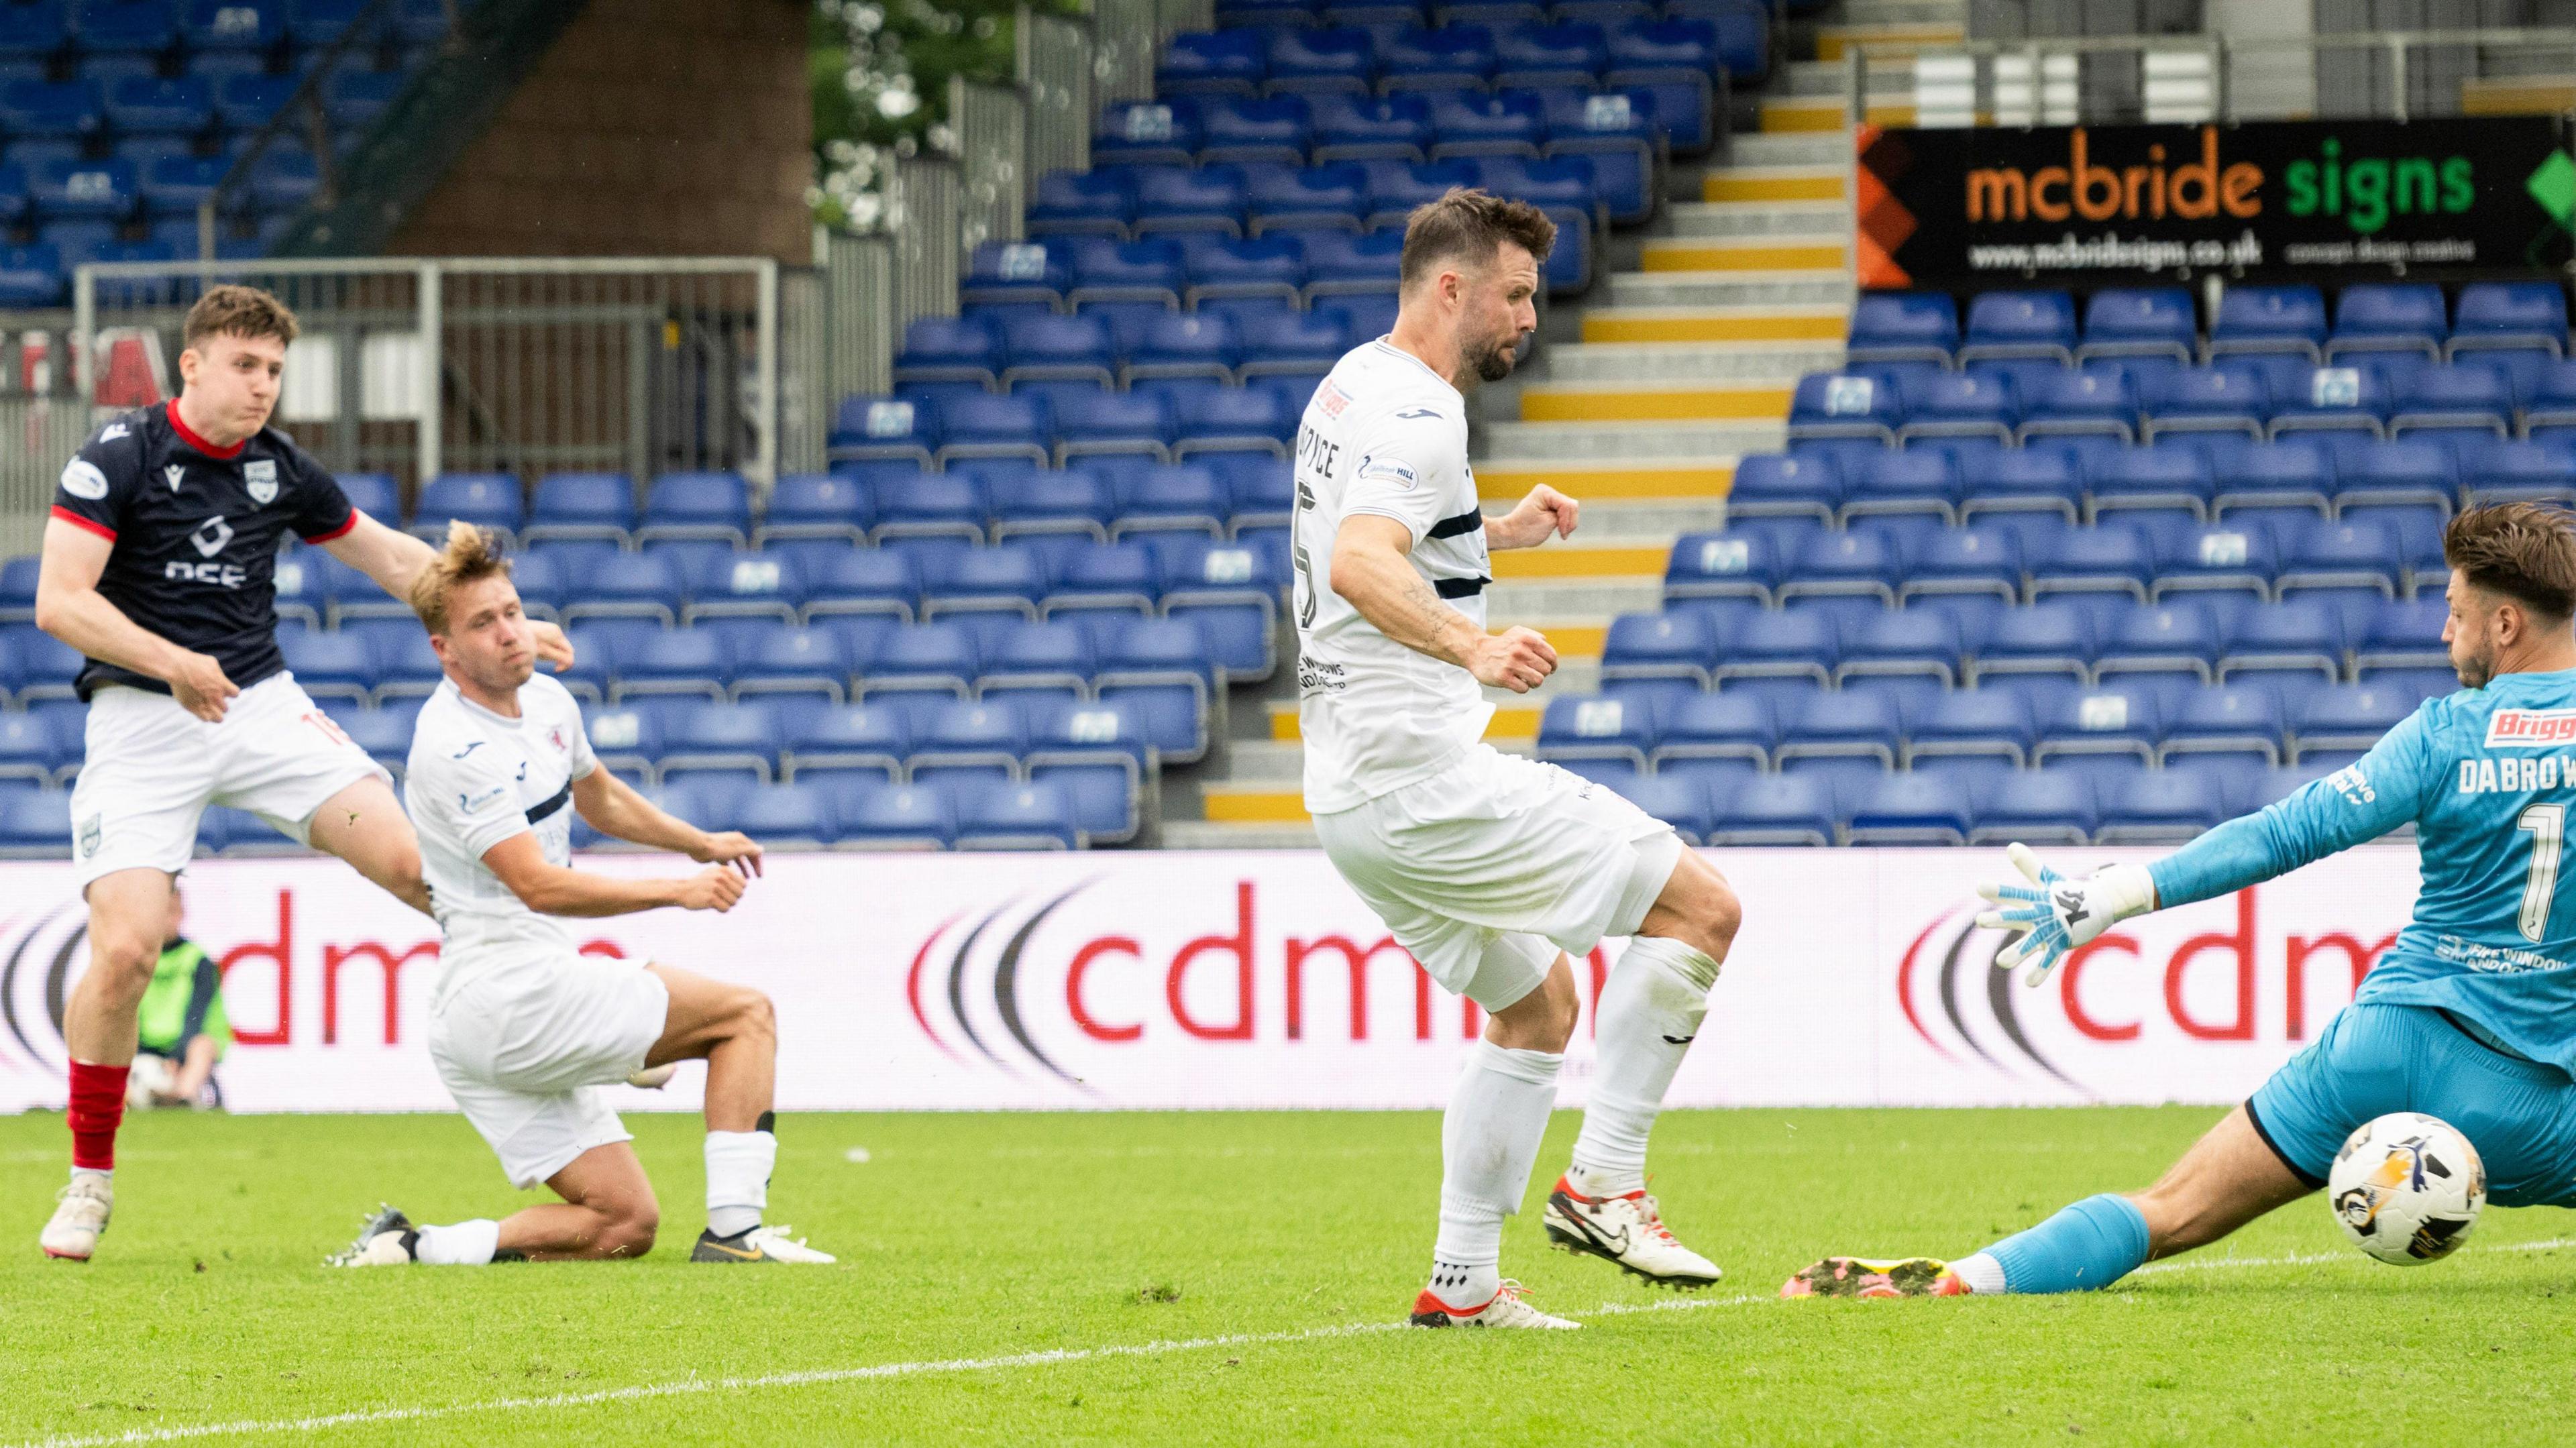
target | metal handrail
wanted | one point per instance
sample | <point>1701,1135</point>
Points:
<point>2396,43</point>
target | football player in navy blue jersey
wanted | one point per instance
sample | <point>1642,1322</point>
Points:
<point>157,566</point>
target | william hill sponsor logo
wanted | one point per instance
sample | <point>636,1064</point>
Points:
<point>2531,727</point>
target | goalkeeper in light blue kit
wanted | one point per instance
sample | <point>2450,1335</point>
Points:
<point>2470,1016</point>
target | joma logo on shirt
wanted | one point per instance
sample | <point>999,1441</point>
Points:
<point>2531,727</point>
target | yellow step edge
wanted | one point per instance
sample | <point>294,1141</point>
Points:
<point>1682,256</point>
<point>1609,484</point>
<point>1256,806</point>
<point>1510,721</point>
<point>1562,561</point>
<point>1610,326</point>
<point>1728,186</point>
<point>1678,404</point>
<point>1801,117</point>
<point>1886,42</point>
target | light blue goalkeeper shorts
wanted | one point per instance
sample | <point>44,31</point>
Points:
<point>2375,1059</point>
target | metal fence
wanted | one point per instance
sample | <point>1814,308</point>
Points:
<point>1056,73</point>
<point>2395,75</point>
<point>417,367</point>
<point>992,125</point>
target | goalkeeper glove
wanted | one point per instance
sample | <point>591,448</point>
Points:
<point>2054,913</point>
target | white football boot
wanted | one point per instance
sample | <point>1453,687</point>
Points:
<point>1626,1230</point>
<point>81,1210</point>
<point>387,1240</point>
<point>760,1244</point>
<point>1509,1308</point>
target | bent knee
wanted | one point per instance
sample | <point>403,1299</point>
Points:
<point>1720,916</point>
<point>754,1015</point>
<point>630,1233</point>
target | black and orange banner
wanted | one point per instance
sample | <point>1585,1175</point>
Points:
<point>2108,204</point>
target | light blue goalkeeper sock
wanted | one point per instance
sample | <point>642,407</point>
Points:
<point>2084,1248</point>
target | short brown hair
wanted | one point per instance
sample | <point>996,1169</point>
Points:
<point>236,311</point>
<point>2522,550</point>
<point>1470,226</point>
<point>470,556</point>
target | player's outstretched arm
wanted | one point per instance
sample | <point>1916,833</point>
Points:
<point>70,607</point>
<point>394,559</point>
<point>2054,913</point>
<point>551,889</point>
<point>614,808</point>
<point>1544,514</point>
<point>1372,570</point>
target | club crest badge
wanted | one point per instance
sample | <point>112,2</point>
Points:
<point>260,476</point>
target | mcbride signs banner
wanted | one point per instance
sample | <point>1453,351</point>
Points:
<point>2113,204</point>
<point>1216,979</point>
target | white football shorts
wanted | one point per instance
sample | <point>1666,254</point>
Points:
<point>525,1041</point>
<point>1485,870</point>
<point>151,768</point>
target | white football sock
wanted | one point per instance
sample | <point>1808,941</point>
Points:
<point>467,1244</point>
<point>738,1167</point>
<point>1983,1274</point>
<point>107,1174</point>
<point>1650,1009</point>
<point>1488,1144</point>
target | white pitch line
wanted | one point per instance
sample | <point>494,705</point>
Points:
<point>1046,1358</point>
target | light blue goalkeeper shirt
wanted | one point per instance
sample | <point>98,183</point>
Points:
<point>2487,777</point>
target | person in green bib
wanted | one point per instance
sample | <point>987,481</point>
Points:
<point>183,1029</point>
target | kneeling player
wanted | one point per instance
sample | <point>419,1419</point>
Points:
<point>2470,1016</point>
<point>525,1029</point>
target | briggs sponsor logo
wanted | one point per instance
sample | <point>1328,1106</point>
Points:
<point>2531,727</point>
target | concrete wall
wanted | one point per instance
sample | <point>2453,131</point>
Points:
<point>651,127</point>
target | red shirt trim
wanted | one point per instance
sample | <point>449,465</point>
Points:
<point>92,524</point>
<point>186,435</point>
<point>346,524</point>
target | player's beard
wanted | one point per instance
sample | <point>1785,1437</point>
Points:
<point>2476,671</point>
<point>1494,360</point>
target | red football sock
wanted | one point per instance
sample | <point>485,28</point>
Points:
<point>97,1106</point>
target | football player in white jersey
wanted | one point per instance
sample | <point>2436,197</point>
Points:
<point>524,1028</point>
<point>1488,867</point>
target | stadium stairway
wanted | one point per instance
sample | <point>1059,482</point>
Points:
<point>1673,370</point>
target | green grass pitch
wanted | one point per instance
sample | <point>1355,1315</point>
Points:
<point>1020,1278</point>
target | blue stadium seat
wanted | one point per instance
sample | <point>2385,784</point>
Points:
<point>950,349</point>
<point>966,742</point>
<point>884,427</point>
<point>1361,128</point>
<point>486,500</point>
<point>1738,562</point>
<point>1959,404</point>
<point>1151,132</point>
<point>1848,725</point>
<point>1256,417</point>
<point>158,106</point>
<point>1319,62</point>
<point>1911,809</point>
<point>868,738</point>
<point>329,665</point>
<point>2036,807</point>
<point>2210,399</point>
<point>35,823</point>
<point>2062,403</point>
<point>1675,645</point>
<point>2140,321</point>
<point>853,582</point>
<point>1019,271</point>
<point>1028,501</point>
<point>1681,801</point>
<point>2242,718</point>
<point>2298,635</point>
<point>2160,479</point>
<point>2122,721</point>
<point>1031,658</point>
<point>1730,726</point>
<point>717,738</point>
<point>384,733</point>
<point>895,817</point>
<point>697,505</point>
<point>1162,669</point>
<point>1773,485</point>
<point>788,659</point>
<point>674,661</point>
<point>1398,188</point>
<point>2468,395</point>
<point>1082,203</point>
<point>985,425</point>
<point>1832,405</point>
<point>1562,187</point>
<point>36,29</point>
<point>39,666</point>
<point>1148,270</point>
<point>717,584</point>
<point>1447,58</point>
<point>1237,130</point>
<point>85,188</point>
<point>1964,560</point>
<point>1185,344</point>
<point>2350,397</point>
<point>1290,198</point>
<point>1471,123</point>
<point>1005,578</point>
<point>31,748</point>
<point>1222,62</point>
<point>1677,62</point>
<point>1048,347</point>
<point>2347,717</point>
<point>1863,561</point>
<point>18,590</point>
<point>2343,556</point>
<point>1903,327</point>
<point>2232,555</point>
<point>1174,199</point>
<point>1341,265</point>
<point>2510,316</point>
<point>1572,53</point>
<point>786,816</point>
<point>1121,577</point>
<point>1987,722</point>
<point>1799,644</point>
<point>938,657</point>
<point>2020,324</point>
<point>2389,317</point>
<point>2420,471</point>
<point>1026,816</point>
<point>582,505</point>
<point>2269,319</point>
<point>2402,634</point>
<point>1623,138</point>
<point>2164,806</point>
<point>1775,809</point>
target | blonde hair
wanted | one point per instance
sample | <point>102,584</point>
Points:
<point>469,557</point>
<point>232,310</point>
